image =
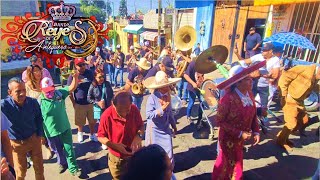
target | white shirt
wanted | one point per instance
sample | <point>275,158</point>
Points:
<point>272,63</point>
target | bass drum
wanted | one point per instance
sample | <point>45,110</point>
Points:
<point>212,94</point>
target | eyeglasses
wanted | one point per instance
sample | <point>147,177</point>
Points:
<point>101,77</point>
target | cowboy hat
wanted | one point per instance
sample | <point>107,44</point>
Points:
<point>237,73</point>
<point>138,46</point>
<point>144,64</point>
<point>159,80</point>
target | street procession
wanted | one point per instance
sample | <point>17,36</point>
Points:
<point>160,90</point>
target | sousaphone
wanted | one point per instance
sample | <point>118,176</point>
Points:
<point>211,58</point>
<point>184,39</point>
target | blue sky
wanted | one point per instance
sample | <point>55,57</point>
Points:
<point>143,5</point>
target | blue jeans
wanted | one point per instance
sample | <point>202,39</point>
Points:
<point>192,98</point>
<point>182,89</point>
<point>116,73</point>
<point>111,73</point>
<point>264,94</point>
<point>137,101</point>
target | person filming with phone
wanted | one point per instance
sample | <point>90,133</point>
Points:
<point>121,129</point>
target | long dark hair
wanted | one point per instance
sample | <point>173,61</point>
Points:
<point>30,75</point>
<point>95,74</point>
<point>147,163</point>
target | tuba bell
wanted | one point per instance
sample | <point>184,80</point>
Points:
<point>184,39</point>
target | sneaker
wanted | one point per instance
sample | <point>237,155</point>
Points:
<point>77,173</point>
<point>80,137</point>
<point>104,147</point>
<point>93,137</point>
<point>62,168</point>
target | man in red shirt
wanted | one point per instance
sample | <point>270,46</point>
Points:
<point>121,129</point>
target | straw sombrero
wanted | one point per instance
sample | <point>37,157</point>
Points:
<point>144,64</point>
<point>138,46</point>
<point>237,73</point>
<point>159,80</point>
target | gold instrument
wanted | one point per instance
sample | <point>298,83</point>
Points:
<point>185,38</point>
<point>138,88</point>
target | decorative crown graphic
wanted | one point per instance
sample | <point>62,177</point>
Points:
<point>62,12</point>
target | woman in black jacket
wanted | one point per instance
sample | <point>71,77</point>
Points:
<point>100,93</point>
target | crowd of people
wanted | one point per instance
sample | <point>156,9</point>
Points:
<point>34,113</point>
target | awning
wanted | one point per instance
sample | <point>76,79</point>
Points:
<point>278,2</point>
<point>149,35</point>
<point>134,28</point>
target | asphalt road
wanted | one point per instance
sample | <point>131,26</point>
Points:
<point>195,154</point>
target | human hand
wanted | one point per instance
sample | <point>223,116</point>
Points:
<point>256,140</point>
<point>121,148</point>
<point>75,74</point>
<point>246,135</point>
<point>136,144</point>
<point>244,49</point>
<point>4,167</point>
<point>195,85</point>
<point>175,132</point>
<point>101,104</point>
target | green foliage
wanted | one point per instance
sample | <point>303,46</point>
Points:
<point>112,34</point>
<point>95,8</point>
<point>123,10</point>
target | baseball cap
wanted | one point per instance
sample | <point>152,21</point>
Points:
<point>278,49</point>
<point>131,48</point>
<point>252,29</point>
<point>118,46</point>
<point>168,63</point>
<point>33,58</point>
<point>267,47</point>
<point>78,61</point>
<point>47,84</point>
<point>97,49</point>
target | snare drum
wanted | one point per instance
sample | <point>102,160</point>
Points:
<point>212,93</point>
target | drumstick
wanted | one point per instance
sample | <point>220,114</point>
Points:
<point>201,91</point>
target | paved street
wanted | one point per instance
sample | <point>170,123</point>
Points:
<point>195,154</point>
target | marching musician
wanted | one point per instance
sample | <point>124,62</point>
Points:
<point>182,86</point>
<point>131,59</point>
<point>98,61</point>
<point>193,86</point>
<point>166,66</point>
<point>109,62</point>
<point>119,65</point>
<point>136,75</point>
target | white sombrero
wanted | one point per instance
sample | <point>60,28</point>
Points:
<point>144,64</point>
<point>160,80</point>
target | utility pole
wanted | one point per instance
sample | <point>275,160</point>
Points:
<point>114,29</point>
<point>159,26</point>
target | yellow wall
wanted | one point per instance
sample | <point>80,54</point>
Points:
<point>122,38</point>
<point>4,46</point>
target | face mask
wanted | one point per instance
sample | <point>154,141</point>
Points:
<point>49,95</point>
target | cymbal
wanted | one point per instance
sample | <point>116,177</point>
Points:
<point>206,61</point>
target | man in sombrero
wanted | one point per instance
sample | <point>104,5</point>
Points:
<point>136,75</point>
<point>159,112</point>
<point>236,117</point>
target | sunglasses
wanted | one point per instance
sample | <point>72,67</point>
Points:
<point>100,77</point>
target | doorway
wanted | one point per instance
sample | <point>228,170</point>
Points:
<point>259,24</point>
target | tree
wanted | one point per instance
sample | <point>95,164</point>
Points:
<point>95,8</point>
<point>123,11</point>
<point>109,9</point>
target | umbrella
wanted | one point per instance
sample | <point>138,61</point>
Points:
<point>292,39</point>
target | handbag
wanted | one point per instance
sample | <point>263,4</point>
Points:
<point>96,108</point>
